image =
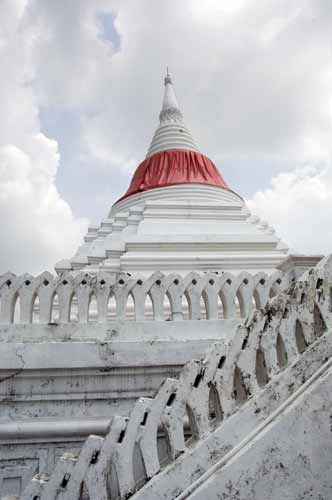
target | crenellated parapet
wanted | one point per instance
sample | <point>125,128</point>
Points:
<point>214,295</point>
<point>280,347</point>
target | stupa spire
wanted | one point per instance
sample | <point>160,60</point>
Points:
<point>170,108</point>
<point>172,133</point>
<point>173,157</point>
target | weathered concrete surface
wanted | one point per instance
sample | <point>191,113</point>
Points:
<point>243,428</point>
<point>291,459</point>
<point>49,374</point>
<point>61,383</point>
<point>118,331</point>
<point>86,371</point>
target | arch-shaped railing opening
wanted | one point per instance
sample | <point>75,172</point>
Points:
<point>15,314</point>
<point>216,413</point>
<point>319,323</point>
<point>167,308</point>
<point>73,309</point>
<point>239,310</point>
<point>130,308</point>
<point>139,471</point>
<point>186,307</point>
<point>239,388</point>
<point>256,300</point>
<point>275,288</point>
<point>204,306</point>
<point>228,304</point>
<point>55,308</point>
<point>93,308</point>
<point>190,429</point>
<point>164,449</point>
<point>35,309</point>
<point>281,352</point>
<point>261,371</point>
<point>111,308</point>
<point>148,308</point>
<point>113,482</point>
<point>301,343</point>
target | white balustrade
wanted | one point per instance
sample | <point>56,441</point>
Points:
<point>82,297</point>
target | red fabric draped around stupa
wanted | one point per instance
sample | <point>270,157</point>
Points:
<point>174,166</point>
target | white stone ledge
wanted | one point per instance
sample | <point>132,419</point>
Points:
<point>124,331</point>
<point>181,192</point>
<point>59,355</point>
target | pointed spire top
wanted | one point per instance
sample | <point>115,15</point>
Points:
<point>170,109</point>
<point>167,78</point>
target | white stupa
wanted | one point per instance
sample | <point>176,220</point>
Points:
<point>178,215</point>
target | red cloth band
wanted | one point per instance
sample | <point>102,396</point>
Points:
<point>174,166</point>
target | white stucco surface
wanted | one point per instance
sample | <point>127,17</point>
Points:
<point>180,228</point>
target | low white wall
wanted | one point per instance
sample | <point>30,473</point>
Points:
<point>61,383</point>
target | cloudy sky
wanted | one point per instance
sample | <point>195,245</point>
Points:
<point>81,89</point>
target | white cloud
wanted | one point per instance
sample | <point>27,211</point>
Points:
<point>252,81</point>
<point>37,225</point>
<point>299,205</point>
<point>67,51</point>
